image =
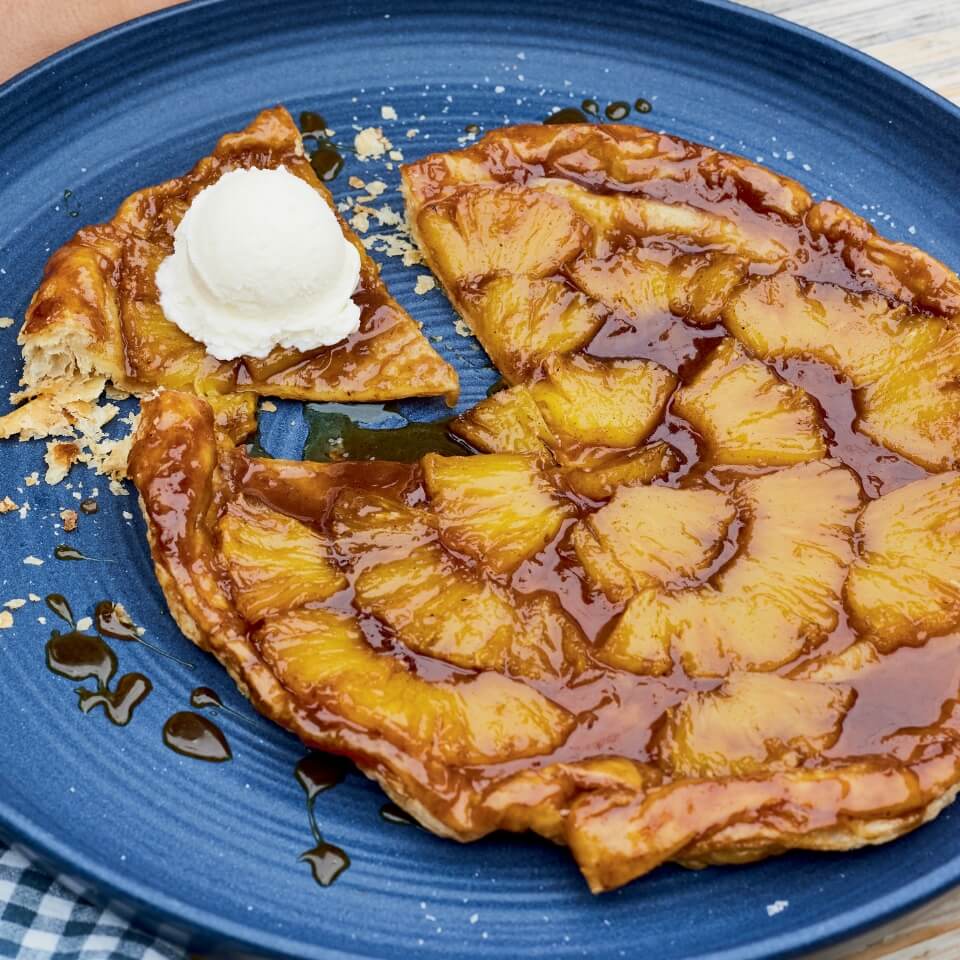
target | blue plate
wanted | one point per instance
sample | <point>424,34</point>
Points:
<point>210,852</point>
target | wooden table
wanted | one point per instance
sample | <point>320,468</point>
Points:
<point>921,38</point>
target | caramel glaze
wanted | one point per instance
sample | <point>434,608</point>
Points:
<point>890,758</point>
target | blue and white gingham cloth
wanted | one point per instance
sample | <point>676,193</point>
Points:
<point>41,920</point>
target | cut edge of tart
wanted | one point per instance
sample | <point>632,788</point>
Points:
<point>95,322</point>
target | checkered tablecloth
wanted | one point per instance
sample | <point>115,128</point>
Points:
<point>41,920</point>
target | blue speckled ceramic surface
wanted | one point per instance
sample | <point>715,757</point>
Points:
<point>211,850</point>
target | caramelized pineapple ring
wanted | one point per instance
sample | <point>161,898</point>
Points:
<point>779,595</point>
<point>520,322</point>
<point>498,508</point>
<point>747,415</point>
<point>276,563</point>
<point>511,422</point>
<point>905,585</point>
<point>612,214</point>
<point>906,365</point>
<point>692,286</point>
<point>322,657</point>
<point>752,723</point>
<point>507,422</point>
<point>482,231</point>
<point>652,536</point>
<point>607,403</point>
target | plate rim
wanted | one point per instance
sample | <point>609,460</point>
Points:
<point>183,924</point>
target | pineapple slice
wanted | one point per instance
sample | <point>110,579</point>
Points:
<point>915,407</point>
<point>644,465</point>
<point>323,659</point>
<point>777,597</point>
<point>439,609</point>
<point>520,322</point>
<point>613,214</point>
<point>499,508</point>
<point>692,286</point>
<point>507,422</point>
<point>906,584</point>
<point>652,536</point>
<point>276,563</point>
<point>370,527</point>
<point>752,723</point>
<point>611,403</point>
<point>747,415</point>
<point>906,366</point>
<point>486,230</point>
<point>158,351</point>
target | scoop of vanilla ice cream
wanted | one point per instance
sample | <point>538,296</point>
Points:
<point>260,261</point>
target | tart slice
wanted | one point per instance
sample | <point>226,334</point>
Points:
<point>96,316</point>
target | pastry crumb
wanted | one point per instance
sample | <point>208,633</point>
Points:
<point>356,183</point>
<point>69,518</point>
<point>6,619</point>
<point>388,113</point>
<point>33,561</point>
<point>376,187</point>
<point>15,604</point>
<point>371,143</point>
<point>396,155</point>
<point>118,489</point>
<point>89,505</point>
<point>412,132</point>
<point>32,480</point>
<point>84,623</point>
<point>34,598</point>
<point>424,284</point>
<point>59,458</point>
<point>268,406</point>
<point>6,322</point>
<point>6,505</point>
<point>462,328</point>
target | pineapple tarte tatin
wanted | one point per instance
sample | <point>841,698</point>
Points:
<point>96,318</point>
<point>695,598</point>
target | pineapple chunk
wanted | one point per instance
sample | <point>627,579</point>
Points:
<point>276,563</point>
<point>752,723</point>
<point>507,422</point>
<point>906,583</point>
<point>914,408</point>
<point>644,465</point>
<point>520,322</point>
<point>498,507</point>
<point>747,415</point>
<point>483,230</point>
<point>157,350</point>
<point>322,658</point>
<point>613,214</point>
<point>652,536</point>
<point>369,528</point>
<point>692,286</point>
<point>779,596</point>
<point>635,281</point>
<point>439,609</point>
<point>613,403</point>
<point>906,366</point>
